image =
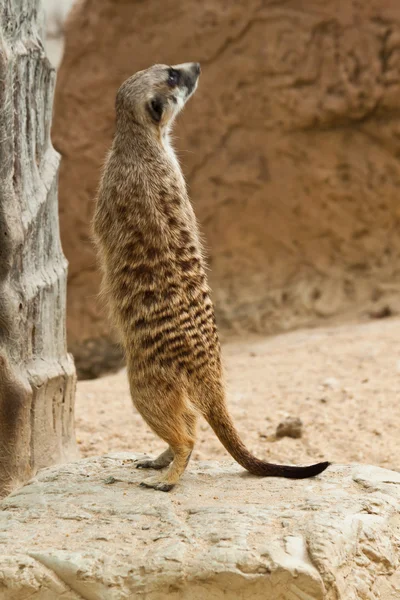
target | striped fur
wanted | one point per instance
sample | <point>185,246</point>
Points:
<point>154,279</point>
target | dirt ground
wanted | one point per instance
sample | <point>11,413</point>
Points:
<point>343,382</point>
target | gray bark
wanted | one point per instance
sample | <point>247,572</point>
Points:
<point>37,376</point>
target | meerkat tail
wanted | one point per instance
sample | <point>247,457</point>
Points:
<point>221,422</point>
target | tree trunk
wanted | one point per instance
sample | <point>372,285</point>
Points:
<point>37,376</point>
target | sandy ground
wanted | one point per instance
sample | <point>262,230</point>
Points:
<point>343,382</point>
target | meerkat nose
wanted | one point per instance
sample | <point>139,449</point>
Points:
<point>197,68</point>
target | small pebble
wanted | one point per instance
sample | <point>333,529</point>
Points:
<point>290,427</point>
<point>110,480</point>
<point>331,382</point>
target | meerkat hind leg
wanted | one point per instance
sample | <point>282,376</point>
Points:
<point>163,460</point>
<point>181,437</point>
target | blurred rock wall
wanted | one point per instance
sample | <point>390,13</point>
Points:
<point>291,150</point>
<point>56,12</point>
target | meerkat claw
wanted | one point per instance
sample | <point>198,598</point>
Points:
<point>149,464</point>
<point>162,461</point>
<point>161,486</point>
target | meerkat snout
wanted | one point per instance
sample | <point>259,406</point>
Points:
<point>185,76</point>
<point>157,95</point>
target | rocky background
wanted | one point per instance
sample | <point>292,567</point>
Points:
<point>56,12</point>
<point>290,148</point>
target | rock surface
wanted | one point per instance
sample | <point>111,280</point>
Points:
<point>85,530</point>
<point>290,147</point>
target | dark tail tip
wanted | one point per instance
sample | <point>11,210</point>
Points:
<point>304,472</point>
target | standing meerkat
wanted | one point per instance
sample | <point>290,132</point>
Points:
<point>155,283</point>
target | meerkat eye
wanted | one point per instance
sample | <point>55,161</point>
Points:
<point>156,107</point>
<point>173,77</point>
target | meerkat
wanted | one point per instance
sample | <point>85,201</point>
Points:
<point>155,281</point>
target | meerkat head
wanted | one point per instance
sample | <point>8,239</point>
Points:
<point>154,97</point>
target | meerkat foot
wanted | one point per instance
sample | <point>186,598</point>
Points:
<point>172,476</point>
<point>149,464</point>
<point>157,484</point>
<point>175,423</point>
<point>164,460</point>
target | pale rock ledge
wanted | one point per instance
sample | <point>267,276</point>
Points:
<point>85,530</point>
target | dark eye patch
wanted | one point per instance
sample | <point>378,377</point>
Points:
<point>173,77</point>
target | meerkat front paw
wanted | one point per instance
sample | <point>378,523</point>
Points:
<point>157,484</point>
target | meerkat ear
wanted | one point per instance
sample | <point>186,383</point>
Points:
<point>156,108</point>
